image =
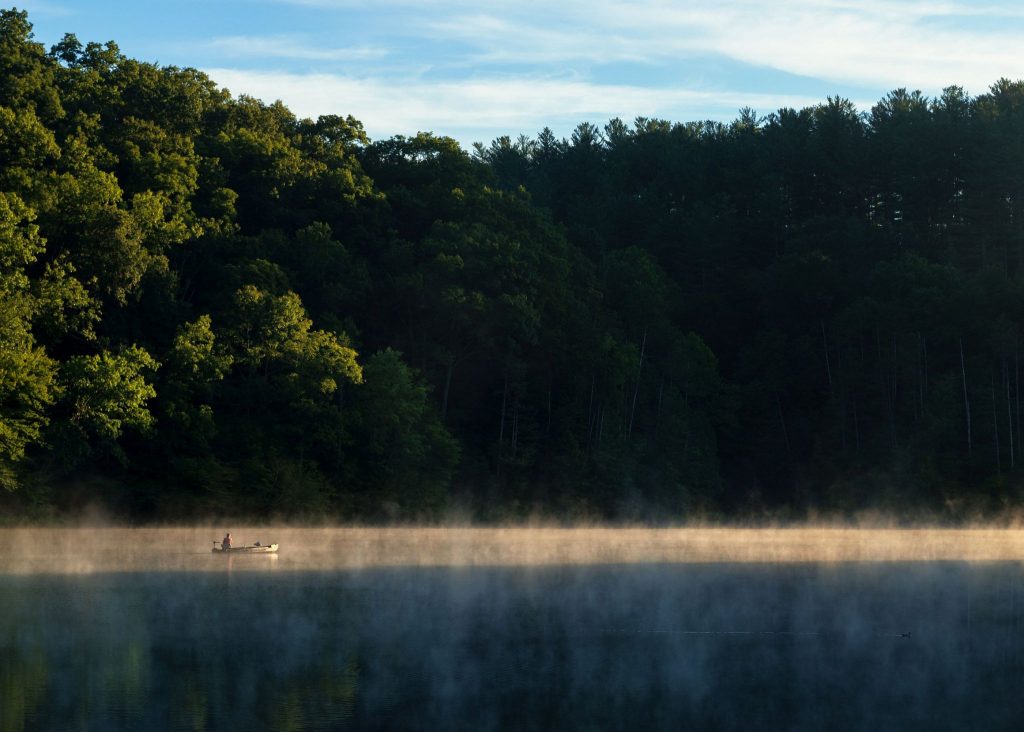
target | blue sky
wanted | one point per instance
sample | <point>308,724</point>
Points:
<point>475,70</point>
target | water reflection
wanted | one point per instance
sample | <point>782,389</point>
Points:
<point>868,646</point>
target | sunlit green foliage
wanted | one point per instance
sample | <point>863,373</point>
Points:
<point>108,392</point>
<point>640,320</point>
<point>27,386</point>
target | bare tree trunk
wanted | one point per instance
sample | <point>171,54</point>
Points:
<point>636,390</point>
<point>886,389</point>
<point>782,421</point>
<point>892,401</point>
<point>339,446</point>
<point>515,427</point>
<point>657,413</point>
<point>501,428</point>
<point>844,396</point>
<point>995,422</point>
<point>828,366</point>
<point>447,389</point>
<point>842,423</point>
<point>547,427</point>
<point>504,401</point>
<point>924,343</point>
<point>624,422</point>
<point>1009,413</point>
<point>591,418</point>
<point>856,426</point>
<point>967,402</point>
<point>922,374</point>
<point>895,394</point>
<point>1016,386</point>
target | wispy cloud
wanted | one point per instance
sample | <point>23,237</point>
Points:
<point>473,69</point>
<point>289,47</point>
<point>44,8</point>
<point>479,107</point>
<point>918,43</point>
<point>876,43</point>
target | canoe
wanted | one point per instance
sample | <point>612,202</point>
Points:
<point>261,549</point>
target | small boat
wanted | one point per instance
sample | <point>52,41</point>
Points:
<point>249,549</point>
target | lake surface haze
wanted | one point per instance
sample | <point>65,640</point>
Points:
<point>512,629</point>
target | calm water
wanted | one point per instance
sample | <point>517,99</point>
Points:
<point>733,646</point>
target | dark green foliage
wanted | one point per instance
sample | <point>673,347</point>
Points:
<point>815,310</point>
<point>407,456</point>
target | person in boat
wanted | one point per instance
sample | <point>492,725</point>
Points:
<point>226,544</point>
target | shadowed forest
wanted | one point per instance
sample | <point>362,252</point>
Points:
<point>211,307</point>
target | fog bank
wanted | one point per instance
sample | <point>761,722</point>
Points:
<point>92,550</point>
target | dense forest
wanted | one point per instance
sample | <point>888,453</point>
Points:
<point>211,307</point>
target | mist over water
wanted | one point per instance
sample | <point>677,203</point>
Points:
<point>88,550</point>
<point>512,628</point>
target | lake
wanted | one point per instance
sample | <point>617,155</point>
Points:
<point>482,629</point>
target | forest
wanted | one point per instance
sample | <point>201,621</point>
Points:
<point>211,307</point>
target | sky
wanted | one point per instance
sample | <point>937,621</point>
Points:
<point>477,70</point>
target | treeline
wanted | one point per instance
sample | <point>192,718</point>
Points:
<point>209,306</point>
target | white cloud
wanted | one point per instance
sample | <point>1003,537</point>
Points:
<point>874,45</point>
<point>483,108</point>
<point>883,43</point>
<point>878,43</point>
<point>291,47</point>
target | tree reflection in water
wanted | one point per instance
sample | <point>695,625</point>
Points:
<point>645,646</point>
